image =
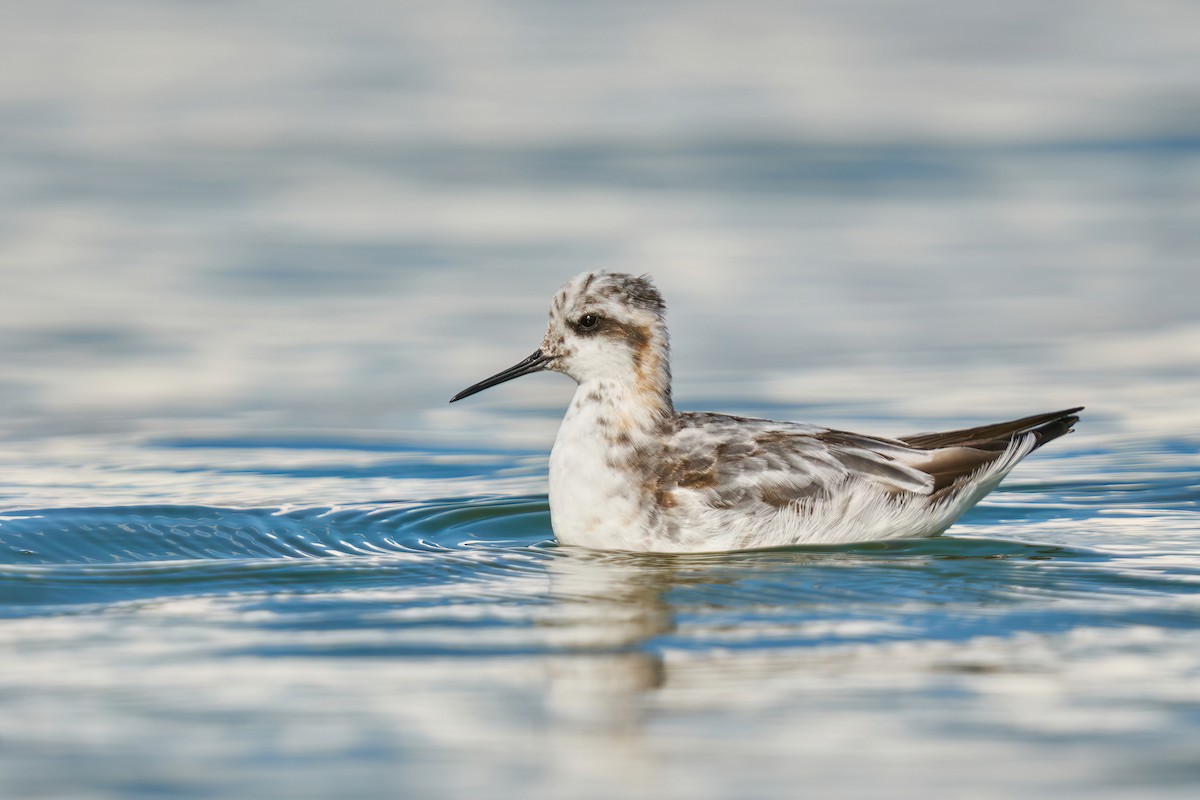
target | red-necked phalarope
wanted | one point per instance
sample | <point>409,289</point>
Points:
<point>628,472</point>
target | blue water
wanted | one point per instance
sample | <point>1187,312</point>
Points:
<point>248,252</point>
<point>307,650</point>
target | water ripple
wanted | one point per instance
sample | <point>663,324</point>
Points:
<point>415,567</point>
<point>55,558</point>
<point>117,535</point>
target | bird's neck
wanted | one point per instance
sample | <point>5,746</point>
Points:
<point>622,412</point>
<point>641,398</point>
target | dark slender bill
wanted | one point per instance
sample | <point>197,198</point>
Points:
<point>535,363</point>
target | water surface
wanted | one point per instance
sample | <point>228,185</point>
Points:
<point>246,255</point>
<point>300,649</point>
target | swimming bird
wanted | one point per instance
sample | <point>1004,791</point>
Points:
<point>629,472</point>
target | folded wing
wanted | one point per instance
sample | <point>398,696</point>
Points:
<point>734,462</point>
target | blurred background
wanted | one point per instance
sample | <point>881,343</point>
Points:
<point>312,215</point>
<point>249,250</point>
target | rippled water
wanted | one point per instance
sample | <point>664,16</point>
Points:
<point>247,550</point>
<point>447,645</point>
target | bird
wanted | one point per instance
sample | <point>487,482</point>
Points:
<point>628,472</point>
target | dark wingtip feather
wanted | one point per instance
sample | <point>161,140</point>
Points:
<point>956,455</point>
<point>1047,427</point>
<point>1051,430</point>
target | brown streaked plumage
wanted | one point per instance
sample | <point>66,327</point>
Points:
<point>629,472</point>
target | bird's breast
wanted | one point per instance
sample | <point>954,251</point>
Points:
<point>597,495</point>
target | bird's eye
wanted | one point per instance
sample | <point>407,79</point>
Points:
<point>588,322</point>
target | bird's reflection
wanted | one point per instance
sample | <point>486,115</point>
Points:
<point>608,609</point>
<point>611,615</point>
<point>614,618</point>
<point>600,690</point>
